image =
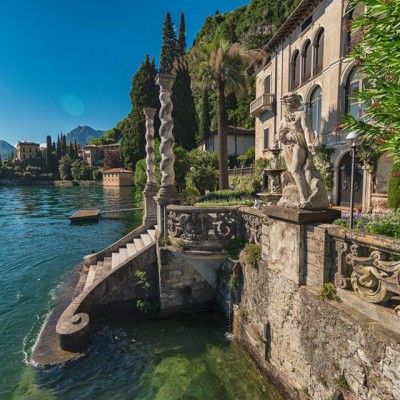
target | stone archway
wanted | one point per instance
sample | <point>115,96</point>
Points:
<point>344,187</point>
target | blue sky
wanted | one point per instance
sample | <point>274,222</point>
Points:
<point>65,63</point>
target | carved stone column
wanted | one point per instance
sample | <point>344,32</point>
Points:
<point>167,193</point>
<point>151,188</point>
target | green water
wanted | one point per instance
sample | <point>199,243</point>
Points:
<point>188,358</point>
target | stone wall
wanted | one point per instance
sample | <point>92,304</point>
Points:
<point>314,348</point>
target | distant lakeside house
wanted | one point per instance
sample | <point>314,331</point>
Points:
<point>309,56</point>
<point>94,154</point>
<point>27,151</point>
<point>239,141</point>
<point>117,177</point>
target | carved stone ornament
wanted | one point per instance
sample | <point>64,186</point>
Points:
<point>199,225</point>
<point>374,278</point>
<point>303,185</point>
<point>253,226</point>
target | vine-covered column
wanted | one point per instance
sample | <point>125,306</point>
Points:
<point>151,188</point>
<point>167,193</point>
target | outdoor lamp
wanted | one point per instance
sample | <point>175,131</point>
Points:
<point>352,139</point>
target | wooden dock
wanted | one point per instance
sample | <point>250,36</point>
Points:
<point>85,215</point>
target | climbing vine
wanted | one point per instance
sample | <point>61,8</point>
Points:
<point>324,165</point>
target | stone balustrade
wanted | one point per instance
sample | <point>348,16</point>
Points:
<point>367,264</point>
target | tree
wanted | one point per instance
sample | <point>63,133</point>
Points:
<point>112,159</point>
<point>71,151</point>
<point>394,188</point>
<point>205,115</point>
<point>168,48</point>
<point>184,109</point>
<point>63,140</point>
<point>378,55</point>
<point>58,148</point>
<point>222,66</point>
<point>81,171</point>
<point>49,154</point>
<point>144,93</point>
<point>65,168</point>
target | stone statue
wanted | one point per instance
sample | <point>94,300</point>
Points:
<point>303,184</point>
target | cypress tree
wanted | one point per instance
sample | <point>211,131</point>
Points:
<point>49,153</point>
<point>54,146</point>
<point>181,42</point>
<point>58,149</point>
<point>76,150</point>
<point>63,145</point>
<point>168,49</point>
<point>71,152</point>
<point>184,111</point>
<point>144,93</point>
<point>205,115</point>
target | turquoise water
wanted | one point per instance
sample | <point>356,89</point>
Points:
<point>189,358</point>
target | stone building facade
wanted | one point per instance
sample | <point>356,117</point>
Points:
<point>309,56</point>
<point>117,177</point>
<point>27,151</point>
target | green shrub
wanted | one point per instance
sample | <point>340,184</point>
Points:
<point>81,171</point>
<point>233,280</point>
<point>147,305</point>
<point>328,291</point>
<point>97,175</point>
<point>141,279</point>
<point>234,247</point>
<point>252,254</point>
<point>388,225</point>
<point>247,158</point>
<point>394,188</point>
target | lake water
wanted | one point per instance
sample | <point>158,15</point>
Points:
<point>178,359</point>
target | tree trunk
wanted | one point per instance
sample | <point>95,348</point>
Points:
<point>222,138</point>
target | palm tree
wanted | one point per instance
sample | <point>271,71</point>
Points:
<point>221,66</point>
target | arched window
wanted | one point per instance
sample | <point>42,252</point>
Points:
<point>315,109</point>
<point>353,36</point>
<point>307,55</point>
<point>295,70</point>
<point>319,52</point>
<point>354,85</point>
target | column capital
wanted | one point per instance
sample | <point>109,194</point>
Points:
<point>165,80</point>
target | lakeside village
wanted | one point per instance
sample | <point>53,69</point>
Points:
<point>299,244</point>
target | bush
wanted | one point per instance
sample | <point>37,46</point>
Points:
<point>97,175</point>
<point>64,168</point>
<point>328,291</point>
<point>81,171</point>
<point>394,188</point>
<point>247,158</point>
<point>252,254</point>
<point>227,195</point>
<point>234,247</point>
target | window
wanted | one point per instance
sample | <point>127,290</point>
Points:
<point>315,109</point>
<point>319,52</point>
<point>295,70</point>
<point>266,138</point>
<point>354,85</point>
<point>307,54</point>
<point>267,84</point>
<point>352,35</point>
<point>306,23</point>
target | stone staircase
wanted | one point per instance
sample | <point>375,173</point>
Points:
<point>97,271</point>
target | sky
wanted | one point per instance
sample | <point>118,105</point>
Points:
<point>65,63</point>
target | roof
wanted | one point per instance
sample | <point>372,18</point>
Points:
<point>28,143</point>
<point>302,10</point>
<point>117,171</point>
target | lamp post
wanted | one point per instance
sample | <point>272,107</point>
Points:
<point>352,139</point>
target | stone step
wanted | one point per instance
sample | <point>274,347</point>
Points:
<point>131,249</point>
<point>123,254</point>
<point>90,276</point>
<point>146,239</point>
<point>152,234</point>
<point>114,260</point>
<point>107,263</point>
<point>138,243</point>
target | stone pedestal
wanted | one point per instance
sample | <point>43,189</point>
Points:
<point>295,245</point>
<point>168,193</point>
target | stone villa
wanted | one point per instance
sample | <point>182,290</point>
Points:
<point>308,56</point>
<point>94,154</point>
<point>27,151</point>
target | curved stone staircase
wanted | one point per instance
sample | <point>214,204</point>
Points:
<point>127,250</point>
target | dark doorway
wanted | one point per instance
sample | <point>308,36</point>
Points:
<point>345,181</point>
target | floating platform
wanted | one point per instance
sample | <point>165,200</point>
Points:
<point>85,215</point>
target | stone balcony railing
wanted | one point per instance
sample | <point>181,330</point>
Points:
<point>262,104</point>
<point>368,264</point>
<point>211,228</point>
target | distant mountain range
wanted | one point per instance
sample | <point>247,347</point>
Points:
<point>6,149</point>
<point>83,135</point>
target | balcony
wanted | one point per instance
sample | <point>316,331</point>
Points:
<point>262,104</point>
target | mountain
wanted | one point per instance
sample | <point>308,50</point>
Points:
<point>6,149</point>
<point>83,135</point>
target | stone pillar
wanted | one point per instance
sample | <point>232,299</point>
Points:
<point>151,188</point>
<point>167,193</point>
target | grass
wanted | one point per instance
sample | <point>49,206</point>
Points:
<point>252,254</point>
